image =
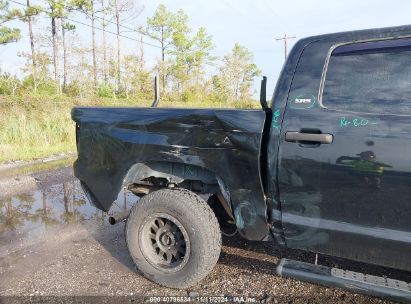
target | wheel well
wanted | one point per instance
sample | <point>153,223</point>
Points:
<point>143,178</point>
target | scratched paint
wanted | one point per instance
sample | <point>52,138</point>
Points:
<point>275,123</point>
<point>245,215</point>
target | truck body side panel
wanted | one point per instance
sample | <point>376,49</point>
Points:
<point>349,198</point>
<point>225,142</point>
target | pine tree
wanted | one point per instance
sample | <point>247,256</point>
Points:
<point>7,34</point>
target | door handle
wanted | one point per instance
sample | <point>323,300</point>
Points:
<point>309,137</point>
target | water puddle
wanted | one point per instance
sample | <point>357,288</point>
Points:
<point>34,213</point>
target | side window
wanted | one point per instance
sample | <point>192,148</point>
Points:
<point>371,77</point>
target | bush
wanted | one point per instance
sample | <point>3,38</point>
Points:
<point>189,96</point>
<point>105,90</point>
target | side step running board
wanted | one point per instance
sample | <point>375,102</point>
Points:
<point>353,281</point>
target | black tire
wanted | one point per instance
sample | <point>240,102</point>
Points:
<point>181,216</point>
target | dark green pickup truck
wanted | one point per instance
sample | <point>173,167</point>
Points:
<point>325,168</point>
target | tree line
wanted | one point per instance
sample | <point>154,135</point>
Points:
<point>59,63</point>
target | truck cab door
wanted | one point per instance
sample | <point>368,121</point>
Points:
<point>344,166</point>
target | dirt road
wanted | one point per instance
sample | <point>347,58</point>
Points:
<point>55,247</point>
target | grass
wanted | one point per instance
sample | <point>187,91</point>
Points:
<point>31,131</point>
<point>36,126</point>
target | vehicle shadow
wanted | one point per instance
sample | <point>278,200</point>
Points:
<point>112,239</point>
<point>247,263</point>
<point>270,248</point>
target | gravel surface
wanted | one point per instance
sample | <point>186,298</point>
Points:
<point>56,259</point>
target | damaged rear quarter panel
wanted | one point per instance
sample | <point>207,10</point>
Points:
<point>225,142</point>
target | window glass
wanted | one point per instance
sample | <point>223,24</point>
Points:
<point>372,77</point>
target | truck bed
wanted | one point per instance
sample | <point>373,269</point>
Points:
<point>111,141</point>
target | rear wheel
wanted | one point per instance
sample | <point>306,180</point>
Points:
<point>173,237</point>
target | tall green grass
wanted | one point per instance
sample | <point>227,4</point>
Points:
<point>30,131</point>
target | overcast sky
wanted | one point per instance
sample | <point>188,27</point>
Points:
<point>254,24</point>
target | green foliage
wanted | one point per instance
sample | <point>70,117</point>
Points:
<point>191,52</point>
<point>33,127</point>
<point>238,72</point>
<point>4,87</point>
<point>44,88</point>
<point>189,96</point>
<point>203,45</point>
<point>83,5</point>
<point>69,26</point>
<point>182,74</point>
<point>7,14</point>
<point>73,90</point>
<point>105,90</point>
<point>8,35</point>
<point>9,84</point>
<point>220,92</point>
<point>57,8</point>
<point>37,118</point>
<point>31,11</point>
<point>160,26</point>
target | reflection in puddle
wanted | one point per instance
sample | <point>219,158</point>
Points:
<point>58,206</point>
